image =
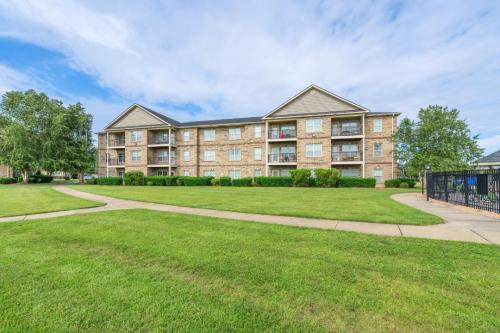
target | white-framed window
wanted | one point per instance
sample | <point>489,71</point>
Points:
<point>136,155</point>
<point>285,172</point>
<point>185,173</point>
<point>275,172</point>
<point>377,173</point>
<point>209,155</point>
<point>162,155</point>
<point>185,135</point>
<point>258,131</point>
<point>185,155</point>
<point>257,154</point>
<point>257,173</point>
<point>209,173</point>
<point>235,174</point>
<point>234,133</point>
<point>135,136</point>
<point>377,125</point>
<point>350,172</point>
<point>348,148</point>
<point>162,172</point>
<point>377,149</point>
<point>314,125</point>
<point>314,150</point>
<point>209,135</point>
<point>235,154</point>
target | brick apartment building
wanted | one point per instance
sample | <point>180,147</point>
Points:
<point>5,171</point>
<point>314,129</point>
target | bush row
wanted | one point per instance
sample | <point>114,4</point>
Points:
<point>400,182</point>
<point>8,180</point>
<point>357,182</point>
<point>40,179</point>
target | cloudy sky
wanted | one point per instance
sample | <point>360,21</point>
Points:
<point>212,59</point>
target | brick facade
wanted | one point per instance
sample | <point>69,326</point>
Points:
<point>5,172</point>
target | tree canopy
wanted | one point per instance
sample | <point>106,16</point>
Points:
<point>438,139</point>
<point>39,133</point>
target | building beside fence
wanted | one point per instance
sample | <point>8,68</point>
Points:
<point>475,188</point>
<point>491,161</point>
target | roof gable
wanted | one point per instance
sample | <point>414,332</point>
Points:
<point>314,100</point>
<point>137,115</point>
<point>491,158</point>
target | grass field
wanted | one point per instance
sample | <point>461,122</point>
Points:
<point>144,271</point>
<point>32,199</point>
<point>350,204</point>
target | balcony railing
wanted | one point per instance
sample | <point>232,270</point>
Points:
<point>347,131</point>
<point>282,158</point>
<point>116,161</point>
<point>283,134</point>
<point>346,156</point>
<point>160,140</point>
<point>162,160</point>
<point>117,142</point>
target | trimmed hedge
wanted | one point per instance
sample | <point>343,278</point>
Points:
<point>194,181</point>
<point>247,181</point>
<point>40,179</point>
<point>154,180</point>
<point>134,178</point>
<point>8,180</point>
<point>109,181</point>
<point>357,182</point>
<point>225,181</point>
<point>396,182</point>
<point>327,177</point>
<point>301,177</point>
<point>273,181</point>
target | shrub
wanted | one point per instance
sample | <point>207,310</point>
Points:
<point>215,182</point>
<point>357,182</point>
<point>411,182</point>
<point>275,181</point>
<point>247,181</point>
<point>327,177</point>
<point>90,181</point>
<point>225,181</point>
<point>194,181</point>
<point>301,177</point>
<point>392,182</point>
<point>109,181</point>
<point>155,180</point>
<point>8,180</point>
<point>134,178</point>
<point>404,185</point>
<point>40,179</point>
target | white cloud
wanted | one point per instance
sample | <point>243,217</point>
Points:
<point>490,144</point>
<point>244,58</point>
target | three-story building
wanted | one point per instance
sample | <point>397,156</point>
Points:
<point>314,129</point>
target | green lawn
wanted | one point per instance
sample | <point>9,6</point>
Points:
<point>32,199</point>
<point>350,204</point>
<point>145,271</point>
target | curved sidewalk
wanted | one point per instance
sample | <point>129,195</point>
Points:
<point>458,226</point>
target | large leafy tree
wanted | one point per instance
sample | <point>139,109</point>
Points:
<point>38,133</point>
<point>438,139</point>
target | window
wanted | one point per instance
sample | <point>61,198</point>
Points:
<point>185,135</point>
<point>185,173</point>
<point>209,135</point>
<point>350,128</point>
<point>234,154</point>
<point>234,133</point>
<point>314,149</point>
<point>350,172</point>
<point>285,172</point>
<point>185,155</point>
<point>377,125</point>
<point>209,155</point>
<point>314,125</point>
<point>136,155</point>
<point>377,149</point>
<point>121,173</point>
<point>377,173</point>
<point>275,172</point>
<point>162,172</point>
<point>161,137</point>
<point>257,173</point>
<point>209,173</point>
<point>235,174</point>
<point>349,148</point>
<point>135,136</point>
<point>257,154</point>
<point>258,131</point>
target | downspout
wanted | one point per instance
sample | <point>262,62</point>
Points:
<point>170,151</point>
<point>364,153</point>
<point>107,154</point>
<point>266,148</point>
<point>392,152</point>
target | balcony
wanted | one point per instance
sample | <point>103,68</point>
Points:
<point>119,142</point>
<point>161,139</point>
<point>116,161</point>
<point>161,160</point>
<point>346,157</point>
<point>282,158</point>
<point>346,129</point>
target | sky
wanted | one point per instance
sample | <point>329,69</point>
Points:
<point>196,60</point>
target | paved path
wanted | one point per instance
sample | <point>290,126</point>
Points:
<point>459,225</point>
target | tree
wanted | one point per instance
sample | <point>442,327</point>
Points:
<point>38,133</point>
<point>438,139</point>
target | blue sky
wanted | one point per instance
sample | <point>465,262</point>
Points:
<point>204,60</point>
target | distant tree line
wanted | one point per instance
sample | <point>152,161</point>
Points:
<point>41,134</point>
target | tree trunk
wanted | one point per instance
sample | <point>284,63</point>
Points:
<point>80,177</point>
<point>26,176</point>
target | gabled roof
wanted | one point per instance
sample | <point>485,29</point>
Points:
<point>356,107</point>
<point>159,116</point>
<point>222,121</point>
<point>491,158</point>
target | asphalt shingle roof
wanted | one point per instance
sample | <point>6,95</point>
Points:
<point>491,158</point>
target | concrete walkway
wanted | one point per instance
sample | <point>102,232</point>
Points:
<point>459,225</point>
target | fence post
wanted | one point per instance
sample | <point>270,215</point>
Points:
<point>446,187</point>
<point>427,185</point>
<point>466,189</point>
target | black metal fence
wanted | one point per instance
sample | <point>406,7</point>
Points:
<point>475,188</point>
